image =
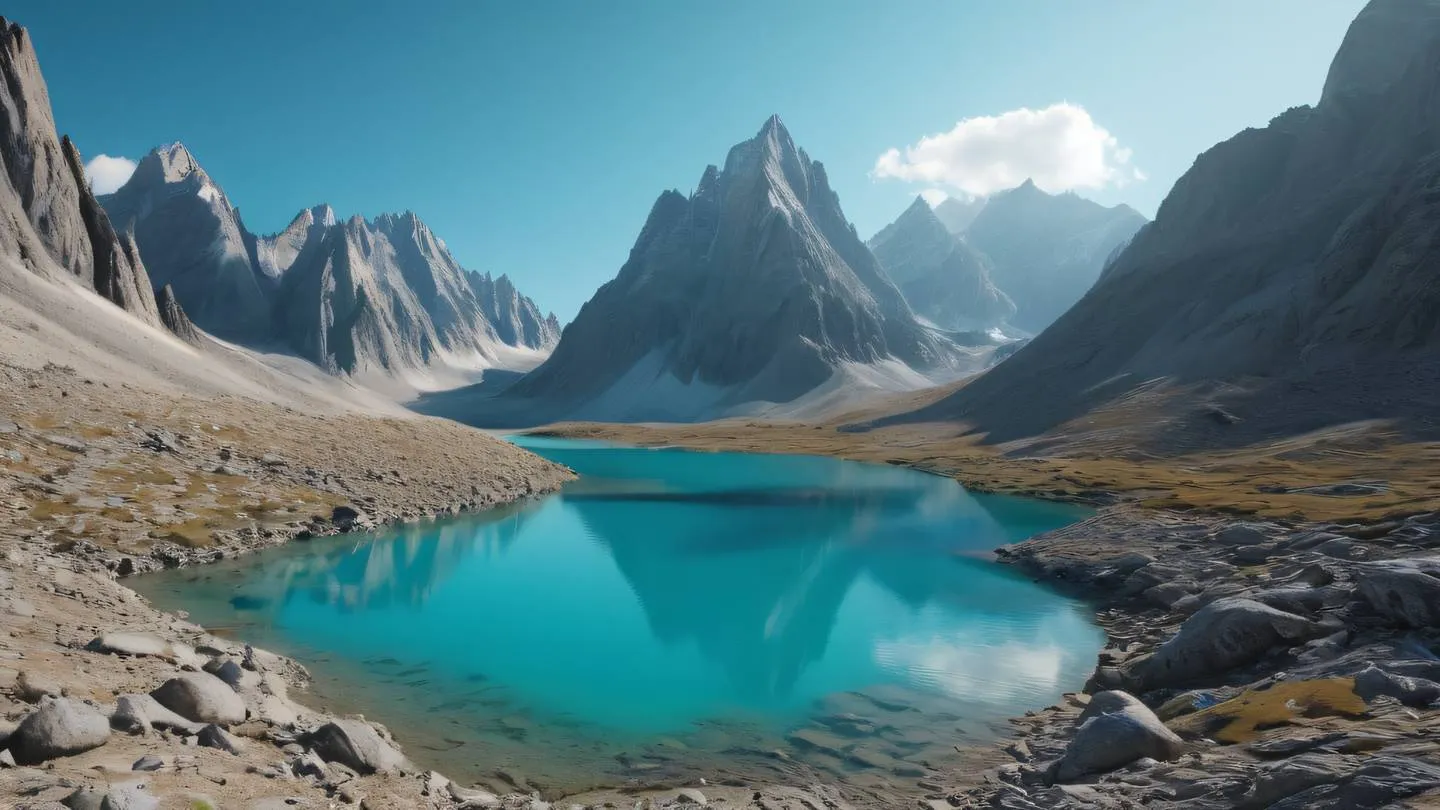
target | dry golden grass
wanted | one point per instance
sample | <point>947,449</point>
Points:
<point>1242,718</point>
<point>1231,481</point>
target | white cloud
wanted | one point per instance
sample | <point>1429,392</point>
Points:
<point>1060,147</point>
<point>106,174</point>
<point>934,196</point>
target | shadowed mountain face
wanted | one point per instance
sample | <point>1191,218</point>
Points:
<point>352,296</point>
<point>945,280</point>
<point>754,288</point>
<point>1047,250</point>
<point>956,215</point>
<point>1296,263</point>
<point>49,220</point>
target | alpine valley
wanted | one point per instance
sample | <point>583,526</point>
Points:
<point>1025,502</point>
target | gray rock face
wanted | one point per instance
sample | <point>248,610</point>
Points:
<point>1115,730</point>
<point>1221,636</point>
<point>351,296</point>
<point>60,728</point>
<point>174,317</point>
<point>1047,250</point>
<point>1405,591</point>
<point>754,288</point>
<point>192,241</point>
<point>201,697</point>
<point>356,745</point>
<point>944,280</point>
<point>50,219</point>
<point>516,318</point>
<point>1297,252</point>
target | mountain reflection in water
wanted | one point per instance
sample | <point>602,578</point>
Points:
<point>667,587</point>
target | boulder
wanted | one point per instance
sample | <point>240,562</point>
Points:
<point>129,796</point>
<point>1404,591</point>
<point>355,744</point>
<point>59,728</point>
<point>1221,636</point>
<point>1243,534</point>
<point>128,643</point>
<point>136,714</point>
<point>201,697</point>
<point>1119,730</point>
<point>1373,682</point>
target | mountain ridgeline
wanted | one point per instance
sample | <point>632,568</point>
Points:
<point>52,226</point>
<point>754,289</point>
<point>1287,283</point>
<point>353,296</point>
<point>1017,258</point>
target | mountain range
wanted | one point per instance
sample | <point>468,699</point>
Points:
<point>750,292</point>
<point>1020,257</point>
<point>1287,283</point>
<point>354,296</point>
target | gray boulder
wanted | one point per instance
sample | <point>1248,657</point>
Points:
<point>1221,636</point>
<point>1294,775</point>
<point>201,697</point>
<point>128,643</point>
<point>1404,591</point>
<point>1243,534</point>
<point>60,728</point>
<point>137,714</point>
<point>356,745</point>
<point>212,736</point>
<point>129,796</point>
<point>1119,730</point>
<point>1373,682</point>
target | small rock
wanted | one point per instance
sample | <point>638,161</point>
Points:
<point>128,643</point>
<point>201,697</point>
<point>690,796</point>
<point>59,728</point>
<point>472,797</point>
<point>1242,534</point>
<point>212,736</point>
<point>149,762</point>
<point>131,796</point>
<point>68,443</point>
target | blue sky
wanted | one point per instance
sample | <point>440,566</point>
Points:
<point>534,136</point>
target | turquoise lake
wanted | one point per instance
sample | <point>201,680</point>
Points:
<point>673,613</point>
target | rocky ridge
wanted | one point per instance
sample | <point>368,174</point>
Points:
<point>1251,665</point>
<point>355,295</point>
<point>1285,281</point>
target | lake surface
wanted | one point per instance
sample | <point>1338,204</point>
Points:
<point>673,614</point>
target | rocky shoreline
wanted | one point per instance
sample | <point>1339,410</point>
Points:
<point>1252,665</point>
